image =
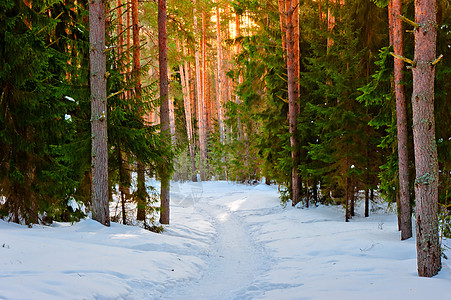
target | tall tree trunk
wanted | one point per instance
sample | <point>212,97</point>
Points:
<point>99,137</point>
<point>240,80</point>
<point>283,24</point>
<point>120,36</point>
<point>124,176</point>
<point>220,80</point>
<point>426,165</point>
<point>292,103</point>
<point>401,113</point>
<point>164,108</point>
<point>199,96</point>
<point>184,76</point>
<point>141,188</point>
<point>203,146</point>
<point>128,43</point>
<point>297,49</point>
<point>330,25</point>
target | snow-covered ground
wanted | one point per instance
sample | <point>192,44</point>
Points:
<point>226,241</point>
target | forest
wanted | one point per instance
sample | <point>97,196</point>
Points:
<point>331,101</point>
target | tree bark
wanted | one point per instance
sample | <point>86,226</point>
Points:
<point>401,113</point>
<point>141,188</point>
<point>367,204</point>
<point>283,24</point>
<point>330,26</point>
<point>120,35</point>
<point>99,137</point>
<point>199,96</point>
<point>184,75</point>
<point>203,146</point>
<point>220,80</point>
<point>297,49</point>
<point>426,165</point>
<point>292,102</point>
<point>164,108</point>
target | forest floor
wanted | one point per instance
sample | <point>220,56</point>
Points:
<point>225,241</point>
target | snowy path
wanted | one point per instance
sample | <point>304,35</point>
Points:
<point>225,241</point>
<point>235,259</point>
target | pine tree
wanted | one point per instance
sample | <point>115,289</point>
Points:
<point>99,154</point>
<point>164,108</point>
<point>426,163</point>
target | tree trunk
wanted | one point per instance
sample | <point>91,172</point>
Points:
<point>401,113</point>
<point>164,108</point>
<point>240,76</point>
<point>184,76</point>
<point>120,36</point>
<point>347,206</point>
<point>199,96</point>
<point>283,24</point>
<point>203,146</point>
<point>292,102</point>
<point>426,165</point>
<point>330,26</point>
<point>99,137</point>
<point>124,183</point>
<point>297,50</point>
<point>141,188</point>
<point>220,80</point>
<point>367,210</point>
<point>127,61</point>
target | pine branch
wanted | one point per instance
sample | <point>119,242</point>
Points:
<point>437,60</point>
<point>408,21</point>
<point>405,59</point>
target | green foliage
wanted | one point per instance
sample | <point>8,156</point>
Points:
<point>45,112</point>
<point>35,176</point>
<point>377,95</point>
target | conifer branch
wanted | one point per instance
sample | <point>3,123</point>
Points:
<point>437,60</point>
<point>405,59</point>
<point>408,21</point>
<point>114,94</point>
<point>284,100</point>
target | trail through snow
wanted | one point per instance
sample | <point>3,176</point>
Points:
<point>235,259</point>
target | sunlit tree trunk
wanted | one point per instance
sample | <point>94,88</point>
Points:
<point>220,78</point>
<point>164,108</point>
<point>203,115</point>
<point>240,76</point>
<point>330,25</point>
<point>200,124</point>
<point>283,24</point>
<point>426,164</point>
<point>141,186</point>
<point>120,36</point>
<point>99,137</point>
<point>292,102</point>
<point>128,43</point>
<point>184,76</point>
<point>297,49</point>
<point>395,10</point>
<point>124,177</point>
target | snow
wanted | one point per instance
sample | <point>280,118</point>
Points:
<point>226,241</point>
<point>69,98</point>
